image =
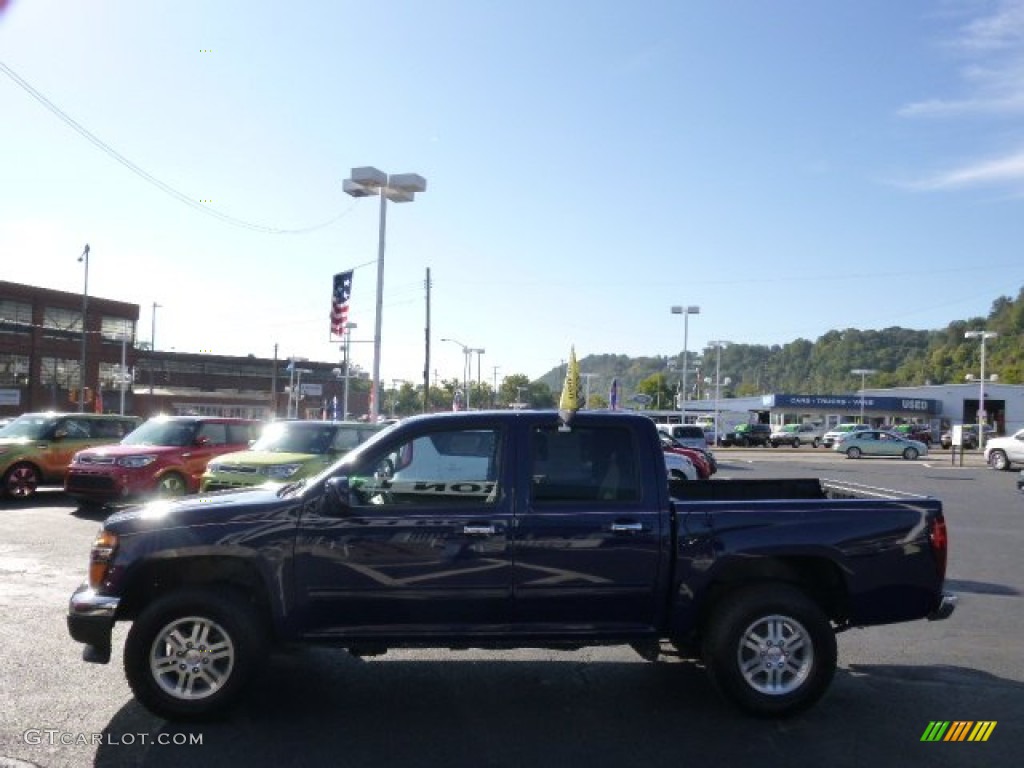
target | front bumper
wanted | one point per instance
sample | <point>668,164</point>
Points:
<point>945,608</point>
<point>91,618</point>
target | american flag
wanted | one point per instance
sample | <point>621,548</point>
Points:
<point>339,302</point>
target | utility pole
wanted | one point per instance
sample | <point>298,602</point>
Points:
<point>426,344</point>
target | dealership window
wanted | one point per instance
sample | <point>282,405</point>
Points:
<point>57,371</point>
<point>58,322</point>
<point>13,370</point>
<point>115,328</point>
<point>14,312</point>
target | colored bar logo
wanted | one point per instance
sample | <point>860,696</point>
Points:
<point>959,730</point>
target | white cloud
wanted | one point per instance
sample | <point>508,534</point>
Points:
<point>998,171</point>
<point>993,75</point>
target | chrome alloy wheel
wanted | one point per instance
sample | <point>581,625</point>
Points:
<point>775,655</point>
<point>192,658</point>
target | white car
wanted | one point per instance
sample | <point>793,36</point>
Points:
<point>679,467</point>
<point>838,432</point>
<point>1003,452</point>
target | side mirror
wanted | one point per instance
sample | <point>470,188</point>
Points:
<point>339,495</point>
<point>202,440</point>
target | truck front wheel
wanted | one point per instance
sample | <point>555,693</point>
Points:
<point>770,650</point>
<point>189,654</point>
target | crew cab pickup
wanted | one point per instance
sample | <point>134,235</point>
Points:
<point>509,529</point>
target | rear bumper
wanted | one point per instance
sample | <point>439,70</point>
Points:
<point>91,620</point>
<point>945,608</point>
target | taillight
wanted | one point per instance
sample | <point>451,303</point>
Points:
<point>940,544</point>
<point>100,557</point>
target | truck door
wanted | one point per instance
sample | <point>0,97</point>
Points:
<point>424,548</point>
<point>588,542</point>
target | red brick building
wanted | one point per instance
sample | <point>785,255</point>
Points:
<point>41,356</point>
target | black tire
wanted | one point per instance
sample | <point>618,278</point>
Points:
<point>171,485</point>
<point>206,640</point>
<point>768,624</point>
<point>796,442</point>
<point>21,480</point>
<point>910,454</point>
<point>997,460</point>
<point>816,443</point>
<point>853,452</point>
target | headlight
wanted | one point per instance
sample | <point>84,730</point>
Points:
<point>100,557</point>
<point>281,471</point>
<point>134,462</point>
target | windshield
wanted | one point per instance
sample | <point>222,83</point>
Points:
<point>31,426</point>
<point>373,436</point>
<point>296,438</point>
<point>163,432</point>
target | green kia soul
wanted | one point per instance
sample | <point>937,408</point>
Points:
<point>286,451</point>
<point>36,448</point>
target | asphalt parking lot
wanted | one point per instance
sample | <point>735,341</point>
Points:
<point>598,707</point>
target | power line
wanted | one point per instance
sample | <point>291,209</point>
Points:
<point>146,176</point>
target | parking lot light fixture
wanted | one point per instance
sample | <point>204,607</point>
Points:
<point>398,188</point>
<point>685,312</point>
<point>863,373</point>
<point>467,365</point>
<point>85,309</point>
<point>717,345</point>
<point>984,336</point>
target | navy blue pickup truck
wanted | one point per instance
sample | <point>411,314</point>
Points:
<point>510,529</point>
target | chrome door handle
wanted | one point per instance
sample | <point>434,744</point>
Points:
<point>627,527</point>
<point>479,530</point>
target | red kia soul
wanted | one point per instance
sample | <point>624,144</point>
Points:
<point>166,456</point>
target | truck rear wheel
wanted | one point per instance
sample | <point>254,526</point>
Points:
<point>190,653</point>
<point>770,650</point>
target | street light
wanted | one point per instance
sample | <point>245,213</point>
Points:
<point>152,346</point>
<point>398,188</point>
<point>717,346</point>
<point>586,387</point>
<point>685,312</point>
<point>983,335</point>
<point>863,373</point>
<point>348,367</point>
<point>85,308</point>
<point>466,366</point>
<point>479,354</point>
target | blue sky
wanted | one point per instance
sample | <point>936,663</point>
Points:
<point>790,167</point>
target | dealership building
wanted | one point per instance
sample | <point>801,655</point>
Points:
<point>939,405</point>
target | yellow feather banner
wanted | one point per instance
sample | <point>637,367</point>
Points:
<point>571,398</point>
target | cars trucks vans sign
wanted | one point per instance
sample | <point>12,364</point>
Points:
<point>918,405</point>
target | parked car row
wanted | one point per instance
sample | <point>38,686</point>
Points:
<point>103,459</point>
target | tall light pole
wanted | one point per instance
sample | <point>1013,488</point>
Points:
<point>152,346</point>
<point>398,188</point>
<point>348,367</point>
<point>717,346</point>
<point>984,336</point>
<point>863,373</point>
<point>586,387</point>
<point>466,366</point>
<point>685,312</point>
<point>479,354</point>
<point>85,309</point>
